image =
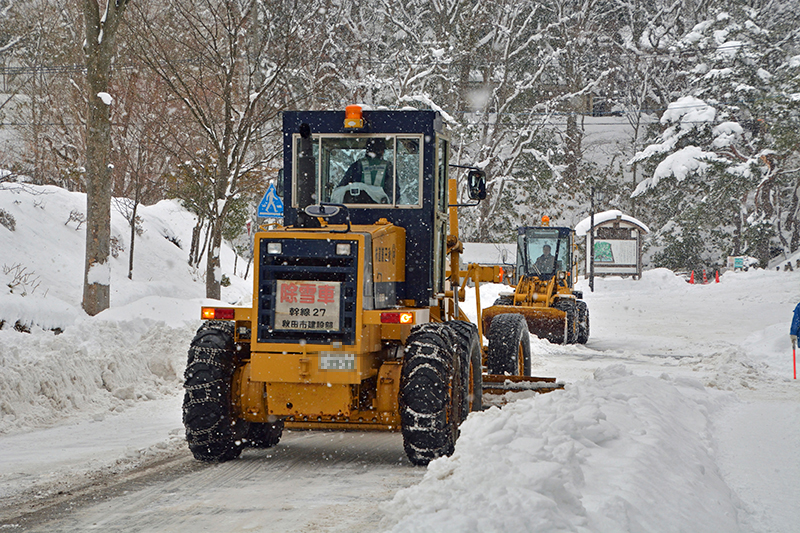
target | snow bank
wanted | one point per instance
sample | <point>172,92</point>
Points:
<point>34,310</point>
<point>618,452</point>
<point>93,368</point>
<point>132,352</point>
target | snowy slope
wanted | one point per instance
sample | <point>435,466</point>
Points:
<point>680,414</point>
<point>89,367</point>
<point>43,256</point>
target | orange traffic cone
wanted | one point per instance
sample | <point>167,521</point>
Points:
<point>691,278</point>
<point>705,279</point>
<point>716,275</point>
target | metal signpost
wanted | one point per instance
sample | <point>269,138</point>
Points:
<point>591,246</point>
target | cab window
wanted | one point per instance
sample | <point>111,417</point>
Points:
<point>546,252</point>
<point>442,185</point>
<point>368,171</point>
<point>409,170</point>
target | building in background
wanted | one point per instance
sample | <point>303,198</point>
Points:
<point>618,240</point>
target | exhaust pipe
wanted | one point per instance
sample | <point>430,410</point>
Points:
<point>306,179</point>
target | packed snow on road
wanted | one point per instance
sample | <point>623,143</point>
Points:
<point>681,413</point>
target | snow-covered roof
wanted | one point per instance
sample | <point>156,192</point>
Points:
<point>489,253</point>
<point>583,226</point>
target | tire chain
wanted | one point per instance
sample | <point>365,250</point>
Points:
<point>428,423</point>
<point>218,363</point>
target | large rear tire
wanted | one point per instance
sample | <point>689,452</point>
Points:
<point>429,393</point>
<point>583,322</point>
<point>468,347</point>
<point>509,346</point>
<point>212,431</point>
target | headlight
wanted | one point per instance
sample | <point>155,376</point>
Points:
<point>274,248</point>
<point>343,248</point>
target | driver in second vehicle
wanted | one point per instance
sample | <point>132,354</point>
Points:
<point>546,261</point>
<point>372,169</point>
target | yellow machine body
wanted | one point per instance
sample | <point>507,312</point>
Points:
<point>329,341</point>
<point>534,299</point>
<point>545,297</point>
<point>323,385</point>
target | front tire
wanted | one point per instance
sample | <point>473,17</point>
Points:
<point>571,309</point>
<point>429,399</point>
<point>504,300</point>
<point>509,346</point>
<point>212,431</point>
<point>264,435</point>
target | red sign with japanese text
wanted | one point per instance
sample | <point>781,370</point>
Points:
<point>307,305</point>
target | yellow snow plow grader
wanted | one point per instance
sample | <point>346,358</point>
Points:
<point>355,320</point>
<point>545,274</point>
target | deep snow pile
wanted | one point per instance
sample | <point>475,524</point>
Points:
<point>681,403</point>
<point>95,367</point>
<point>131,352</point>
<point>617,452</point>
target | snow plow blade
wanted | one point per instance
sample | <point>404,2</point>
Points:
<point>544,322</point>
<point>500,384</point>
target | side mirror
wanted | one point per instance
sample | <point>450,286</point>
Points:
<point>322,210</point>
<point>476,183</point>
<point>279,184</point>
<point>326,210</point>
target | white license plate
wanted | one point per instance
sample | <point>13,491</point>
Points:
<point>337,361</point>
<point>307,305</point>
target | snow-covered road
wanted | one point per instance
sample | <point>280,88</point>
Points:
<point>313,481</point>
<point>698,426</point>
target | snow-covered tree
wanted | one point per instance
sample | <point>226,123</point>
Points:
<point>515,81</point>
<point>497,73</point>
<point>646,73</point>
<point>719,165</point>
<point>231,64</point>
<point>142,133</point>
<point>44,79</point>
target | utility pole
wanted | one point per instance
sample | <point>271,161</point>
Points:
<point>591,244</point>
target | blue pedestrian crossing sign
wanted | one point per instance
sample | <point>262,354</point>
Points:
<point>271,205</point>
